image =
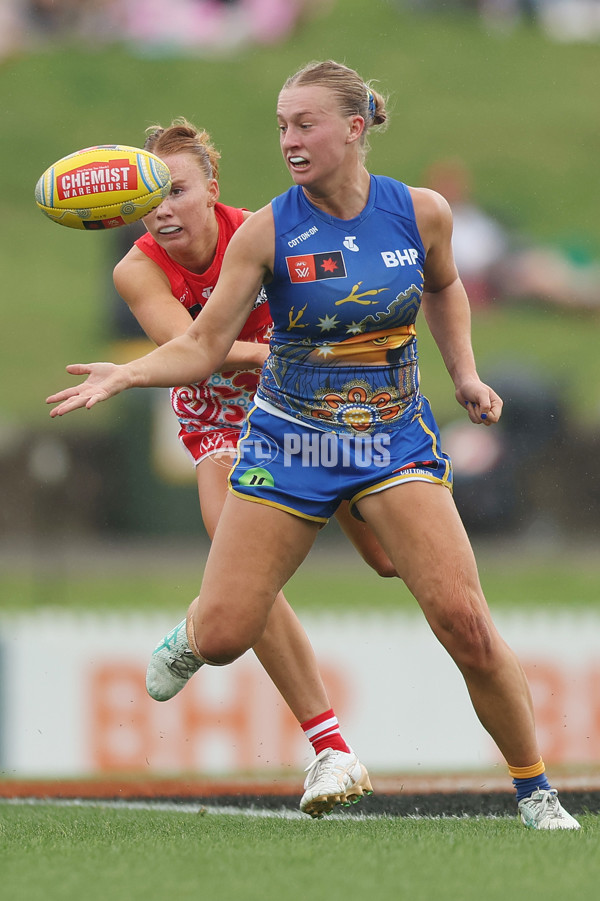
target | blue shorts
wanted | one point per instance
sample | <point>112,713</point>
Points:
<point>308,472</point>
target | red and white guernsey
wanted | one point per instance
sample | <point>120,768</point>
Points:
<point>212,411</point>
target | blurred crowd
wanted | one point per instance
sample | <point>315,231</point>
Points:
<point>176,26</point>
<point>221,25</point>
<point>561,20</point>
<point>498,263</point>
<point>197,26</point>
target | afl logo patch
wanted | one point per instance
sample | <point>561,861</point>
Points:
<point>313,267</point>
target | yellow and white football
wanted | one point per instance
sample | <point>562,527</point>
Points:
<point>102,187</point>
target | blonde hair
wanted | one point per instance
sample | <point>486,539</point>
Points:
<point>183,137</point>
<point>355,96</point>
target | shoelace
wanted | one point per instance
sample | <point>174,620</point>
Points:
<point>549,804</point>
<point>325,765</point>
<point>184,665</point>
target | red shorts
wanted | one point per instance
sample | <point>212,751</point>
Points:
<point>202,444</point>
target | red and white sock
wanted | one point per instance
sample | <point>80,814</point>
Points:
<point>323,731</point>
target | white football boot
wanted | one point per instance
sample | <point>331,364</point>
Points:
<point>172,665</point>
<point>542,810</point>
<point>334,777</point>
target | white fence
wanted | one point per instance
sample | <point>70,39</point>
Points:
<point>74,701</point>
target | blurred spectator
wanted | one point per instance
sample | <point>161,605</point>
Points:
<point>479,241</point>
<point>561,20</point>
<point>570,20</point>
<point>211,24</point>
<point>11,28</point>
<point>551,275</point>
<point>26,24</point>
<point>51,17</point>
<point>498,264</point>
<point>182,25</point>
<point>153,26</point>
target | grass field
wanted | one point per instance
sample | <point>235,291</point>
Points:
<point>162,578</point>
<point>67,854</point>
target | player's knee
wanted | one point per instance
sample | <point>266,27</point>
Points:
<point>476,646</point>
<point>216,647</point>
<point>219,653</point>
<point>470,640</point>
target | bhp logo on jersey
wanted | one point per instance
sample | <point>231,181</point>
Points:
<point>393,258</point>
<point>313,267</point>
<point>96,178</point>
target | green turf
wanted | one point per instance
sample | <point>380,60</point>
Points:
<point>520,109</point>
<point>511,581</point>
<point>68,853</point>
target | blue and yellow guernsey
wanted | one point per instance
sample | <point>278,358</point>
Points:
<point>344,299</point>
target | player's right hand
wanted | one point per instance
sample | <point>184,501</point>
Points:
<point>104,380</point>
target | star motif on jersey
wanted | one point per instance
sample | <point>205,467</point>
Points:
<point>329,265</point>
<point>328,322</point>
<point>325,350</point>
<point>355,328</point>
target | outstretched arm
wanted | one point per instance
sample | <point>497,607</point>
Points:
<point>204,346</point>
<point>446,308</point>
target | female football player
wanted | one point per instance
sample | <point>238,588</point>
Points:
<point>166,279</point>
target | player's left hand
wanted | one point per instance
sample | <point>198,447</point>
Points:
<point>480,401</point>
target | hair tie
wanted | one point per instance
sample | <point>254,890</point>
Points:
<point>372,104</point>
